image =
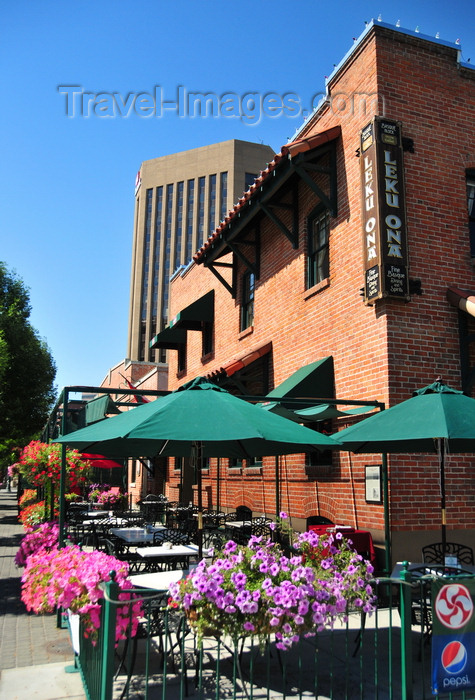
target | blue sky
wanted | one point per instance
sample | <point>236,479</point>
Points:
<point>67,182</point>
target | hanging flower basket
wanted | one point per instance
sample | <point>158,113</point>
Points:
<point>71,579</point>
<point>256,590</point>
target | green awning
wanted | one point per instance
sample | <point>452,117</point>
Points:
<point>313,414</point>
<point>311,381</point>
<point>97,409</point>
<point>325,411</point>
<point>192,317</point>
<point>170,338</point>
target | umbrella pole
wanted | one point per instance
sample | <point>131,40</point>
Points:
<point>387,525</point>
<point>441,451</point>
<point>62,478</point>
<point>199,459</point>
<point>218,481</point>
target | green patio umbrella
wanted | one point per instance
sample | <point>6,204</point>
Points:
<point>198,420</point>
<point>437,419</point>
<point>198,413</point>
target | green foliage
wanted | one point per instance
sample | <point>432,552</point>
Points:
<point>27,369</point>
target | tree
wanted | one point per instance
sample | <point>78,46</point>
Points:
<point>27,369</point>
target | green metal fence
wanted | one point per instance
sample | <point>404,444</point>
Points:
<point>385,656</point>
<point>95,658</point>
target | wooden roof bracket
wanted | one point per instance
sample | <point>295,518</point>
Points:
<point>293,233</point>
<point>304,168</point>
<point>231,288</point>
<point>253,267</point>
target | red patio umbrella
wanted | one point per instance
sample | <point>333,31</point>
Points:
<point>102,462</point>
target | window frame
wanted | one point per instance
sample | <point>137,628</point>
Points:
<point>207,339</point>
<point>181,358</point>
<point>319,460</point>
<point>470,188</point>
<point>317,271</point>
<point>247,300</point>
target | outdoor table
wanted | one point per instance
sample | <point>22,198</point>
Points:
<point>437,568</point>
<point>157,555</point>
<point>108,521</point>
<point>158,580</point>
<point>361,540</point>
<point>157,621</point>
<point>238,524</point>
<point>136,535</point>
<point>238,530</point>
<point>97,513</point>
<point>421,594</point>
<point>112,520</point>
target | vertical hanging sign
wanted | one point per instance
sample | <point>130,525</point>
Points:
<point>384,211</point>
<point>453,636</point>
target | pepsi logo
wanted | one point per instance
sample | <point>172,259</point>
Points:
<point>454,658</point>
<point>454,606</point>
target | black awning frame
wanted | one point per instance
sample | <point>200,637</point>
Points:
<point>169,339</point>
<point>264,202</point>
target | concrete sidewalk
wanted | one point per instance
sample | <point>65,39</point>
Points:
<point>34,653</point>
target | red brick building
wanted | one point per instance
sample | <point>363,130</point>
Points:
<point>143,476</point>
<point>345,248</point>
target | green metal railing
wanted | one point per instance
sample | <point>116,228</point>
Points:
<point>384,656</point>
<point>96,657</point>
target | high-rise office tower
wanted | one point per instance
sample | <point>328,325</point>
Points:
<point>179,201</point>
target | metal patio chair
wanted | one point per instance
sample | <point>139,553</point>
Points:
<point>434,553</point>
<point>164,629</point>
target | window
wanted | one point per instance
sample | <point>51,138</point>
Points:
<point>212,204</point>
<point>236,463</point>
<point>201,210</point>
<point>190,202</point>
<point>145,267</point>
<point>249,180</point>
<point>133,471</point>
<point>247,304</point>
<point>318,248</point>
<point>319,458</point>
<point>223,196</point>
<point>179,223</point>
<point>254,462</point>
<point>471,209</point>
<point>157,236</point>
<point>206,338</point>
<point>181,361</point>
<point>168,244</point>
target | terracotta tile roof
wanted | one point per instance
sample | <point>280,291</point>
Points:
<point>238,363</point>
<point>289,151</point>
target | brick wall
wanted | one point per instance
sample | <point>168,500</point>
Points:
<point>381,352</point>
<point>146,376</point>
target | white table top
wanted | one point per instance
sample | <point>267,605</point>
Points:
<point>135,535</point>
<point>177,550</point>
<point>437,569</point>
<point>159,581</point>
<point>97,513</point>
<point>238,523</point>
<point>106,521</point>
